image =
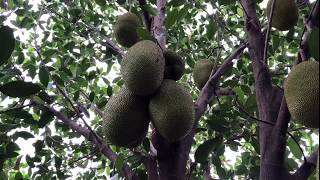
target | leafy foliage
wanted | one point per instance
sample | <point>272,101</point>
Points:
<point>60,48</point>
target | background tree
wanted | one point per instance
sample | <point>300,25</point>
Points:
<point>64,67</point>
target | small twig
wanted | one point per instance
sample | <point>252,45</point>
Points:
<point>88,156</point>
<point>296,141</point>
<point>265,54</point>
<point>16,108</point>
<point>250,116</point>
<point>147,19</point>
<point>219,47</point>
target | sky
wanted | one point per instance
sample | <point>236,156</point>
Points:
<point>26,145</point>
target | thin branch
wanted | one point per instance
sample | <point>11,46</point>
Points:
<point>16,108</point>
<point>225,92</point>
<point>265,55</point>
<point>97,141</point>
<point>87,156</point>
<point>241,109</point>
<point>311,23</point>
<point>147,19</point>
<point>296,141</point>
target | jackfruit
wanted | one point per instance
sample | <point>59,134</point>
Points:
<point>174,65</point>
<point>171,111</point>
<point>125,29</point>
<point>302,93</point>
<point>126,119</point>
<point>285,14</point>
<point>201,72</point>
<point>142,68</point>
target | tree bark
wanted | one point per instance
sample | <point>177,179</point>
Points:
<point>271,103</point>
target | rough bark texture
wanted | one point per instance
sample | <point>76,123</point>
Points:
<point>271,103</point>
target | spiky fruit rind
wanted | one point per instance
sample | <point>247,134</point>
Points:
<point>125,29</point>
<point>285,14</point>
<point>172,111</point>
<point>302,93</point>
<point>175,65</point>
<point>142,68</point>
<point>126,119</point>
<point>201,72</point>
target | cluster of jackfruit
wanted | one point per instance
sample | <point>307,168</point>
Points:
<point>285,14</point>
<point>150,93</point>
<point>302,93</point>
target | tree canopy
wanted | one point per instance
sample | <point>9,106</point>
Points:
<point>60,64</point>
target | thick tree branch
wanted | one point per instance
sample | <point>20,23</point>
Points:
<point>146,16</point>
<point>159,28</point>
<point>307,168</point>
<point>103,148</point>
<point>152,167</point>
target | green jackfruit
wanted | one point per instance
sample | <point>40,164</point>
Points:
<point>126,119</point>
<point>285,14</point>
<point>171,110</point>
<point>142,68</point>
<point>125,29</point>
<point>174,65</point>
<point>201,72</point>
<point>302,93</point>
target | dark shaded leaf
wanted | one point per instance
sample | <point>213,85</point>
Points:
<point>203,151</point>
<point>19,89</point>
<point>101,2</point>
<point>45,118</point>
<point>22,134</point>
<point>44,76</point>
<point>313,43</point>
<point>7,43</point>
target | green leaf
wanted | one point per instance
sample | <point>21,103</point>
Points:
<point>211,30</point>
<point>101,2</point>
<point>119,164</point>
<point>18,176</point>
<point>44,76</point>
<point>240,11</point>
<point>45,118</point>
<point>202,153</point>
<point>294,148</point>
<point>144,34</point>
<point>20,89</point>
<point>7,43</point>
<point>172,17</point>
<point>149,9</point>
<point>22,134</point>
<point>313,43</point>
<point>20,58</point>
